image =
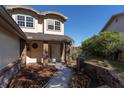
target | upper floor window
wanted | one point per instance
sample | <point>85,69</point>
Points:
<point>57,25</point>
<point>50,25</point>
<point>25,21</point>
<point>21,21</point>
<point>54,25</point>
<point>29,22</point>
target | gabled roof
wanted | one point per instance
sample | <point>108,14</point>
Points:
<point>111,20</point>
<point>11,25</point>
<point>47,37</point>
<point>36,11</point>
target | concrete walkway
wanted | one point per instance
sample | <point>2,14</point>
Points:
<point>61,78</point>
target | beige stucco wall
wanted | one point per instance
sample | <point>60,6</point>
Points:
<point>34,55</point>
<point>9,47</point>
<point>117,26</point>
<point>38,22</point>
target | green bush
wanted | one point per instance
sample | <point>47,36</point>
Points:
<point>105,44</point>
<point>74,56</point>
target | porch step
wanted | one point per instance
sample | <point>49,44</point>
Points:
<point>61,78</point>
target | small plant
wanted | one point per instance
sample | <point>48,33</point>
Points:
<point>74,56</point>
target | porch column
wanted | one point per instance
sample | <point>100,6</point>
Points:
<point>63,59</point>
<point>68,53</point>
<point>45,53</point>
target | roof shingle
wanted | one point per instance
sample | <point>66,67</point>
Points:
<point>47,37</point>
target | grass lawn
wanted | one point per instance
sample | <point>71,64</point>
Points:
<point>108,64</point>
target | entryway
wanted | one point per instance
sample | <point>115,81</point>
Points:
<point>55,52</point>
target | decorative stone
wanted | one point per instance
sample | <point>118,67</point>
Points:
<point>8,72</point>
<point>103,75</point>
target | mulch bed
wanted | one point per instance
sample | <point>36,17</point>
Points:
<point>32,76</point>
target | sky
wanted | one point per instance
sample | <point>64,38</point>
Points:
<point>83,21</point>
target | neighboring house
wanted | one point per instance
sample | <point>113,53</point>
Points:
<point>45,34</point>
<point>12,47</point>
<point>115,23</point>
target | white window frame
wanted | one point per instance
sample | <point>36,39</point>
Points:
<point>53,25</point>
<point>29,22</point>
<point>25,21</point>
<point>56,25</point>
<point>20,20</point>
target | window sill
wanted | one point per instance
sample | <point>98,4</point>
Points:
<point>27,27</point>
<point>54,30</point>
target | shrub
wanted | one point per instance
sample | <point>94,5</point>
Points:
<point>105,44</point>
<point>74,56</point>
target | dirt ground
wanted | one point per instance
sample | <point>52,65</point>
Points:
<point>32,75</point>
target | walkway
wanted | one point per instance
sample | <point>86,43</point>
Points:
<point>61,78</point>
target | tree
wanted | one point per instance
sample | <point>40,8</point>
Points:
<point>105,44</point>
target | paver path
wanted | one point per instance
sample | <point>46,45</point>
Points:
<point>61,78</point>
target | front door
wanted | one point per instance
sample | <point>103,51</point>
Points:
<point>55,52</point>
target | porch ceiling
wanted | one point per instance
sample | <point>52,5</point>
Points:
<point>47,37</point>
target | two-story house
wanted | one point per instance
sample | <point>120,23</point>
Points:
<point>115,23</point>
<point>45,34</point>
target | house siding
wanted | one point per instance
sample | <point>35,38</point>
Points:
<point>117,25</point>
<point>9,48</point>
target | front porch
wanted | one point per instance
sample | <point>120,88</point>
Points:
<point>54,48</point>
